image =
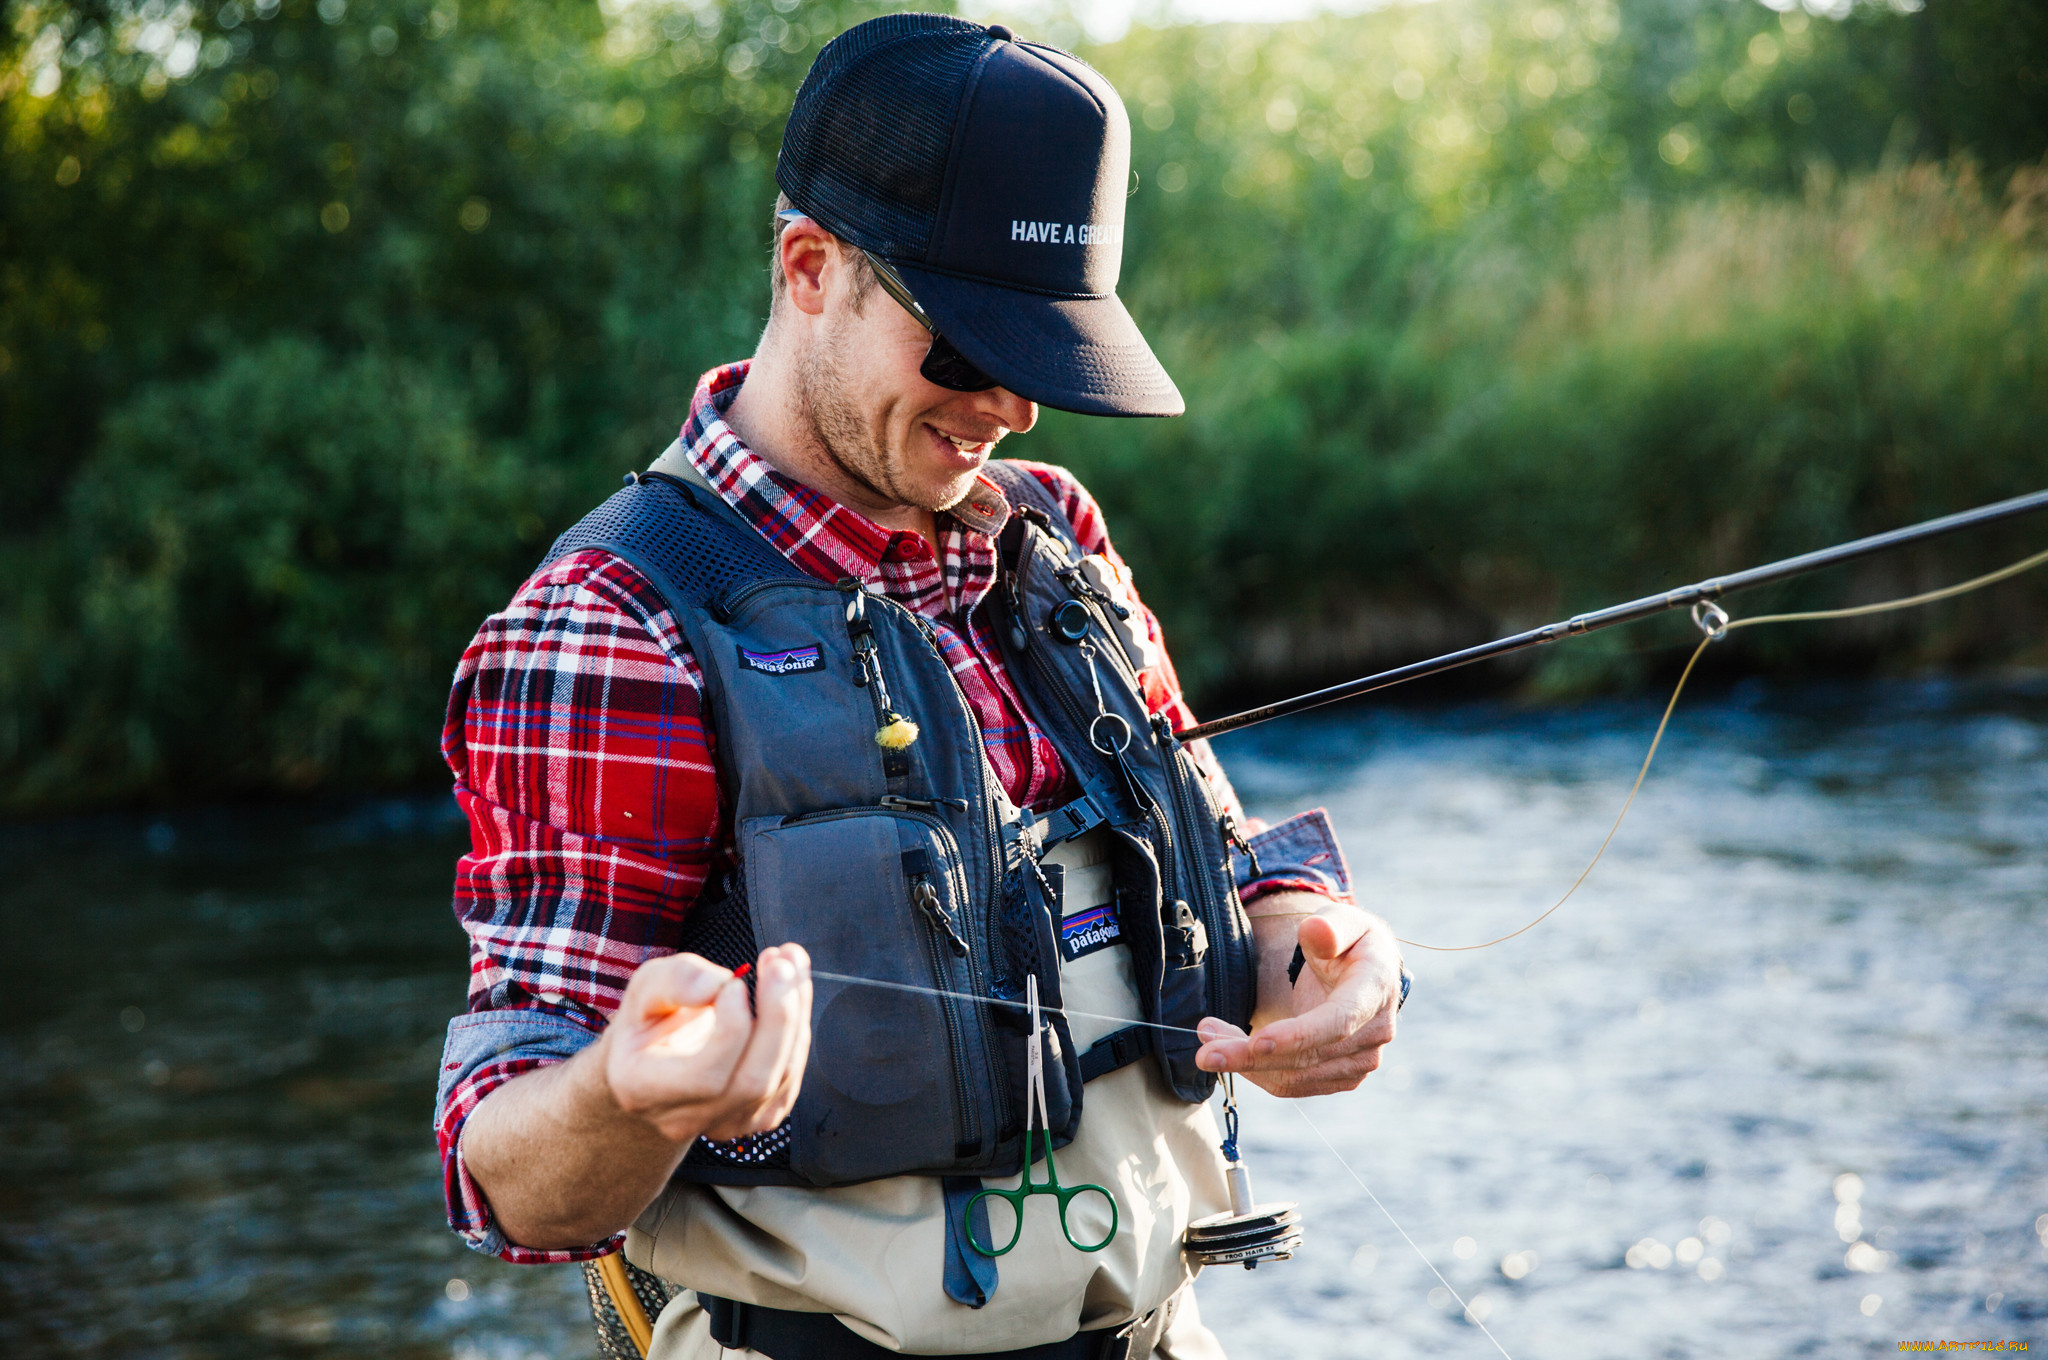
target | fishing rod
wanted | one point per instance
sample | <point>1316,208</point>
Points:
<point>1701,593</point>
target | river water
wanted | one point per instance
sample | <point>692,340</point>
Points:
<point>1775,1083</point>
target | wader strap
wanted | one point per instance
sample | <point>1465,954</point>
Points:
<point>1119,1048</point>
<point>673,462</point>
<point>783,1335</point>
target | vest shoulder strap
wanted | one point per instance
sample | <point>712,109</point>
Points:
<point>671,527</point>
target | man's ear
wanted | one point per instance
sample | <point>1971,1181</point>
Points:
<point>807,252</point>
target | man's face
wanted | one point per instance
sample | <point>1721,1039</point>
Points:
<point>875,415</point>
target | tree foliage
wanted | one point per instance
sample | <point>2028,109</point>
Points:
<point>318,317</point>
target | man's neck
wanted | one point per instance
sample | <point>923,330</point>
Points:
<point>767,415</point>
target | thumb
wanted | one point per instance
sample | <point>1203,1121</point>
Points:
<point>1323,939</point>
<point>711,1031</point>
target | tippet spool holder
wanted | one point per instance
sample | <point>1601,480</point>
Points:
<point>1249,1233</point>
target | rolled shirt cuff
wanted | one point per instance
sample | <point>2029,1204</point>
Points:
<point>1300,854</point>
<point>483,1051</point>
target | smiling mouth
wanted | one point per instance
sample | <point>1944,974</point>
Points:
<point>973,448</point>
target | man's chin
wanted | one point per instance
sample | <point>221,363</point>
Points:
<point>942,488</point>
<point>957,490</point>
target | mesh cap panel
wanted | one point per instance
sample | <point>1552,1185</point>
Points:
<point>868,138</point>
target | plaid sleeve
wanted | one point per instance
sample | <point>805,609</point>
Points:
<point>581,760</point>
<point>1299,855</point>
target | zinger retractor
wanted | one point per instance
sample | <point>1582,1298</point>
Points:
<point>1249,1233</point>
<point>893,731</point>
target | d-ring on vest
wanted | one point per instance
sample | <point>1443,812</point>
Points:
<point>912,865</point>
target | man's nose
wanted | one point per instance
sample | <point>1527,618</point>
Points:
<point>1015,412</point>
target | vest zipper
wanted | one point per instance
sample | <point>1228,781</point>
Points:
<point>956,1041</point>
<point>1181,770</point>
<point>981,942</point>
<point>731,603</point>
<point>1054,680</point>
<point>901,804</point>
<point>1077,582</point>
<point>1235,834</point>
<point>1218,979</point>
<point>935,953</point>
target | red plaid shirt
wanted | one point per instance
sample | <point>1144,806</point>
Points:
<point>581,756</point>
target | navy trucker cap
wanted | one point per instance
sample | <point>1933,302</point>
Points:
<point>992,174</point>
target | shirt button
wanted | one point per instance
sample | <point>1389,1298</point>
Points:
<point>910,548</point>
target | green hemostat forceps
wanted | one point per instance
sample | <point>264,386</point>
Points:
<point>1064,1195</point>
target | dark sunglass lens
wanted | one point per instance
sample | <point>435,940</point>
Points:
<point>947,367</point>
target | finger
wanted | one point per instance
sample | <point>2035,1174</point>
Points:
<point>759,1071</point>
<point>669,984</point>
<point>1328,935</point>
<point>1225,1047</point>
<point>783,1009</point>
<point>796,1044</point>
<point>778,1103</point>
<point>1321,1078</point>
<point>720,1051</point>
<point>1284,1043</point>
<point>651,1075</point>
<point>1379,1031</point>
<point>799,1054</point>
<point>673,1015</point>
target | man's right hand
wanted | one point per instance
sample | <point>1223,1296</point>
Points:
<point>572,1152</point>
<point>687,1053</point>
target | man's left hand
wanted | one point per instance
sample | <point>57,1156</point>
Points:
<point>1324,1033</point>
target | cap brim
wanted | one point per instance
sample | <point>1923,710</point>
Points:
<point>1072,354</point>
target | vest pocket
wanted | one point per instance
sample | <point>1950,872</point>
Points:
<point>881,894</point>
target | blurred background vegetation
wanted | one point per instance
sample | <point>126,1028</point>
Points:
<point>318,320</point>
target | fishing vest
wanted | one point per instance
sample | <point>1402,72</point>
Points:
<point>908,864</point>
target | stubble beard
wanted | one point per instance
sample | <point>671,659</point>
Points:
<point>845,439</point>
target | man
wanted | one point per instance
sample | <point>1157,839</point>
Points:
<point>827,675</point>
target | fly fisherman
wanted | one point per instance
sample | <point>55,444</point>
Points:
<point>827,679</point>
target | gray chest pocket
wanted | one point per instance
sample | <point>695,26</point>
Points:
<point>876,893</point>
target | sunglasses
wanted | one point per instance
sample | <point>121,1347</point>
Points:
<point>943,366</point>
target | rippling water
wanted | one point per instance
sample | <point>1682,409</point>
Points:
<point>1814,952</point>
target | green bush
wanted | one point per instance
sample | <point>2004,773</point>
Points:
<point>275,569</point>
<point>317,319</point>
<point>1675,393</point>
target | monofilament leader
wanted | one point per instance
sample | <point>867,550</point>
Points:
<point>827,679</point>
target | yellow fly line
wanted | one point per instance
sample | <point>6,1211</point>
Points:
<point>1715,631</point>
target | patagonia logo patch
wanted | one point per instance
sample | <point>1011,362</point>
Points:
<point>783,663</point>
<point>1087,931</point>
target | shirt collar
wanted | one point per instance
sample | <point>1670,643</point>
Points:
<point>815,532</point>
